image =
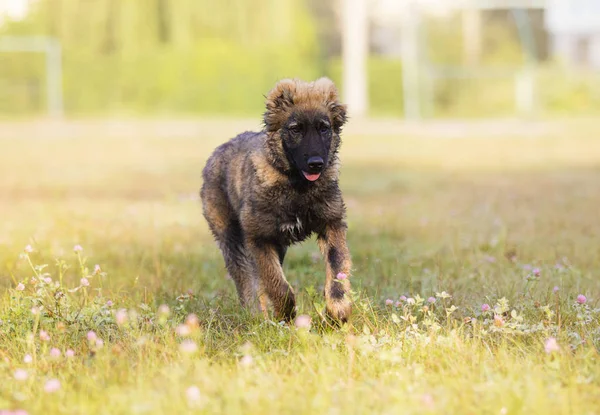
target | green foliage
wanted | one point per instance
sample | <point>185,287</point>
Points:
<point>568,91</point>
<point>220,57</point>
<point>219,62</point>
<point>211,78</point>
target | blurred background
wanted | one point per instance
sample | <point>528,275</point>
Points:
<point>413,59</point>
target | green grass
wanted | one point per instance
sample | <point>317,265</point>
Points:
<point>472,217</point>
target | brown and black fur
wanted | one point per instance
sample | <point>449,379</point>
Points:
<point>257,201</point>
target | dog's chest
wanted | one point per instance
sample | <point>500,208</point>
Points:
<point>298,227</point>
<point>292,227</point>
<point>298,216</point>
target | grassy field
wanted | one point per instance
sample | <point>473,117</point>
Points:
<point>488,250</point>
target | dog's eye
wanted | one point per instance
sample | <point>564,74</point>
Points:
<point>295,129</point>
<point>324,127</point>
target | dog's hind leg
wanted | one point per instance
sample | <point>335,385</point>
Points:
<point>240,266</point>
<point>267,258</point>
<point>229,236</point>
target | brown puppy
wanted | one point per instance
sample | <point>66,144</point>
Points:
<point>264,191</point>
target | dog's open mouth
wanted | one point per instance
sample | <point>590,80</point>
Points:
<point>311,177</point>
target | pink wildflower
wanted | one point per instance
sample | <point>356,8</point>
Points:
<point>183,330</point>
<point>246,360</point>
<point>121,316</point>
<point>192,321</point>
<point>53,385</point>
<point>188,347</point>
<point>551,345</point>
<point>490,259</point>
<point>21,374</point>
<point>193,394</point>
<point>427,401</point>
<point>303,322</point>
<point>164,310</point>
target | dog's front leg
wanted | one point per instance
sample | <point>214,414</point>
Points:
<point>272,281</point>
<point>338,265</point>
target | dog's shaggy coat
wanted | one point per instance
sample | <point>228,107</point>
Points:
<point>264,191</point>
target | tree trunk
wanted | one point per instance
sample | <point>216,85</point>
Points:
<point>110,35</point>
<point>162,9</point>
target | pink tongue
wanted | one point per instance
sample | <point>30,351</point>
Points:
<point>311,177</point>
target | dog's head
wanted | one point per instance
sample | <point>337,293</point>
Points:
<point>303,121</point>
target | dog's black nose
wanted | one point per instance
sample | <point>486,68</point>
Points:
<point>315,164</point>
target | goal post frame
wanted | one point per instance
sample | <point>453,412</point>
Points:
<point>52,51</point>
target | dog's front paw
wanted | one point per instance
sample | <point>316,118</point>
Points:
<point>339,311</point>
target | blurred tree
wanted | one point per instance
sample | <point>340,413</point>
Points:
<point>110,35</point>
<point>54,17</point>
<point>328,25</point>
<point>162,13</point>
<point>174,56</point>
<point>212,57</point>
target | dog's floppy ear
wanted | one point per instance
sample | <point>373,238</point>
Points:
<point>336,109</point>
<point>279,101</point>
